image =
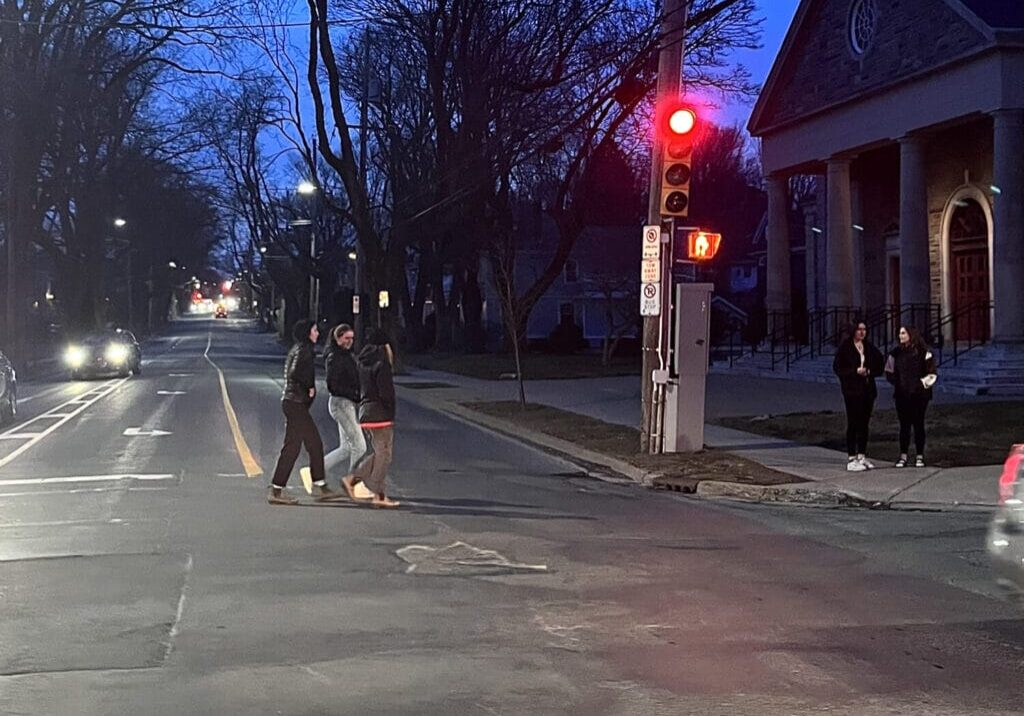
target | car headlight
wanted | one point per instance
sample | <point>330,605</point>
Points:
<point>116,353</point>
<point>75,356</point>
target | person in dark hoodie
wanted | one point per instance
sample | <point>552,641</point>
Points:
<point>299,427</point>
<point>857,362</point>
<point>343,405</point>
<point>377,418</point>
<point>911,370</point>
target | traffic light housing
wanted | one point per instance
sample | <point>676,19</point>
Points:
<point>677,125</point>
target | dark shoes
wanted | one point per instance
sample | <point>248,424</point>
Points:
<point>322,493</point>
<point>277,496</point>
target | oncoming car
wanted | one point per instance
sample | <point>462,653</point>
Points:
<point>1006,531</point>
<point>8,391</point>
<point>104,353</point>
<point>221,312</point>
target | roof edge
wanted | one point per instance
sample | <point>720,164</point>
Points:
<point>780,60</point>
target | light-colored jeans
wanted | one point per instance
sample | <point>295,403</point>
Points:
<point>352,445</point>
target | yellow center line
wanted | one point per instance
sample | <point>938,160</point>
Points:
<point>252,468</point>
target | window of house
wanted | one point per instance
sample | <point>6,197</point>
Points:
<point>566,313</point>
<point>572,271</point>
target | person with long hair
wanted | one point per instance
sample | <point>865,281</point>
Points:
<point>377,418</point>
<point>856,363</point>
<point>299,427</point>
<point>910,368</point>
<point>343,403</point>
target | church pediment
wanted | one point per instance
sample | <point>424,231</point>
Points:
<point>837,50</point>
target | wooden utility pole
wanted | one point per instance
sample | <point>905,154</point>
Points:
<point>670,70</point>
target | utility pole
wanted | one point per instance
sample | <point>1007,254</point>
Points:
<point>364,130</point>
<point>670,70</point>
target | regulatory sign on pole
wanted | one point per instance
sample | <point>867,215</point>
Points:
<point>650,299</point>
<point>355,303</point>
<point>650,271</point>
<point>652,242</point>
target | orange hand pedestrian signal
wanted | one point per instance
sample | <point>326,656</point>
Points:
<point>702,245</point>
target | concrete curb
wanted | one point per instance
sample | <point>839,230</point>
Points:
<point>795,494</point>
<point>585,459</point>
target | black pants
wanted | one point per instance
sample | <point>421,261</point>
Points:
<point>299,430</point>
<point>910,411</point>
<point>858,417</point>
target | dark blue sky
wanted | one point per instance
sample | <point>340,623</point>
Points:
<point>778,14</point>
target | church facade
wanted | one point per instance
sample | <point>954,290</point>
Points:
<point>911,115</point>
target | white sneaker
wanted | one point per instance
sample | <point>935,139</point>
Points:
<point>866,463</point>
<point>855,466</point>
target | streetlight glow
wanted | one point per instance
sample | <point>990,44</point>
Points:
<point>171,264</point>
<point>119,222</point>
<point>352,255</point>
<point>306,187</point>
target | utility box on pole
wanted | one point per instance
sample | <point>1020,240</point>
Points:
<point>685,391</point>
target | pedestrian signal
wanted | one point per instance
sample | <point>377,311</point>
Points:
<point>702,245</point>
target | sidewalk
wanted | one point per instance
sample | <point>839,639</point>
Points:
<point>617,400</point>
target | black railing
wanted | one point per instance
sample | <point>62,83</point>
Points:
<point>969,327</point>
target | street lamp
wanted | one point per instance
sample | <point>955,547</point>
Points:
<point>306,188</point>
<point>120,223</point>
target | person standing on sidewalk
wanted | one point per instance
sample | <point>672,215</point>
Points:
<point>377,418</point>
<point>911,369</point>
<point>857,362</point>
<point>343,404</point>
<point>299,427</point>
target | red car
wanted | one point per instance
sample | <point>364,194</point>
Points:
<point>1006,533</point>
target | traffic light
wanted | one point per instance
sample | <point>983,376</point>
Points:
<point>677,125</point>
<point>702,245</point>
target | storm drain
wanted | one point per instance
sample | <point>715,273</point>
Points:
<point>461,559</point>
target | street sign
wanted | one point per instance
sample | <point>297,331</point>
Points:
<point>650,299</point>
<point>651,243</point>
<point>650,271</point>
<point>355,303</point>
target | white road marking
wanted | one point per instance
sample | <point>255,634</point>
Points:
<point>98,394</point>
<point>119,488</point>
<point>141,433</point>
<point>180,375</point>
<point>171,392</point>
<point>169,644</point>
<point>20,436</point>
<point>84,478</point>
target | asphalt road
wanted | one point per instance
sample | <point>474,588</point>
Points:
<point>142,572</point>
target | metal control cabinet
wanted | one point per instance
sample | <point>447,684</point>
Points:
<point>685,391</point>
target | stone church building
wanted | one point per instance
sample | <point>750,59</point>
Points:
<point>911,115</point>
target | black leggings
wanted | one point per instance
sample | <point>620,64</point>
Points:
<point>858,417</point>
<point>910,411</point>
<point>299,430</point>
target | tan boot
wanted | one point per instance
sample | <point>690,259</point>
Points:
<point>322,493</point>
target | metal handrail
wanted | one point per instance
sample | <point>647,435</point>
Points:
<point>975,315</point>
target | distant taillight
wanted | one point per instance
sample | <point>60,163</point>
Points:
<point>1013,472</point>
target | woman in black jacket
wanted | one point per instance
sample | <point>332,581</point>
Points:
<point>857,362</point>
<point>377,418</point>
<point>299,427</point>
<point>911,369</point>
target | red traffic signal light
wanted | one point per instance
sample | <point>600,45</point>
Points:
<point>677,124</point>
<point>702,245</point>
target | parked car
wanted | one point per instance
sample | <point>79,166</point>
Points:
<point>104,353</point>
<point>8,391</point>
<point>1006,532</point>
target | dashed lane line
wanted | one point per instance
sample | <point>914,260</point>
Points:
<point>60,414</point>
<point>85,478</point>
<point>252,468</point>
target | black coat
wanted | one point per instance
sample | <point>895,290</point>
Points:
<point>905,367</point>
<point>377,385</point>
<point>299,373</point>
<point>846,363</point>
<point>342,373</point>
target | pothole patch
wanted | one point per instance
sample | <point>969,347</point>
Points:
<point>461,559</point>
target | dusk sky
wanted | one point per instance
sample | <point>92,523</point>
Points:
<point>778,14</point>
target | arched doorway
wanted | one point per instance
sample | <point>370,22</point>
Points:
<point>968,232</point>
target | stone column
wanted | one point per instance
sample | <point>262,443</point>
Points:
<point>839,250</point>
<point>1008,228</point>
<point>778,279</point>
<point>915,270</point>
<point>857,220</point>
